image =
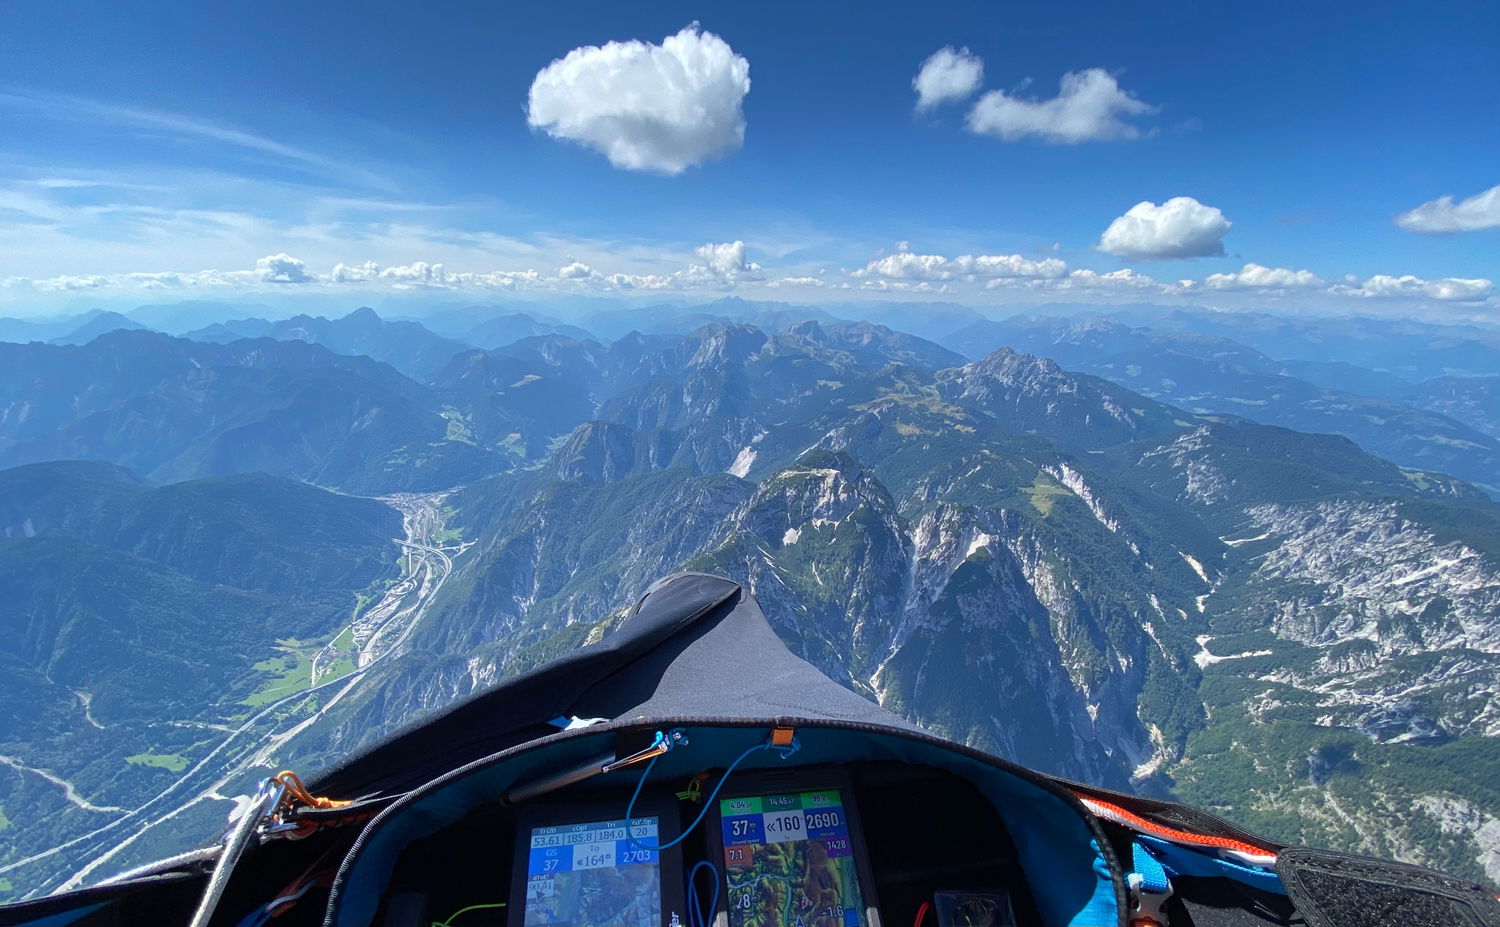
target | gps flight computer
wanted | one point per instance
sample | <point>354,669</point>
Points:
<point>792,853</point>
<point>579,865</point>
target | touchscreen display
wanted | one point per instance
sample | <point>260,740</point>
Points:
<point>592,874</point>
<point>789,861</point>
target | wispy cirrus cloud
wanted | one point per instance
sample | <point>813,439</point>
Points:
<point>190,129</point>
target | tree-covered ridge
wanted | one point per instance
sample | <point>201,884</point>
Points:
<point>141,621</point>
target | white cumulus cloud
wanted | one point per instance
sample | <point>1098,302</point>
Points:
<point>947,75</point>
<point>661,108</point>
<point>639,281</point>
<point>1181,227</point>
<point>282,268</point>
<point>358,273</point>
<point>1124,280</point>
<point>906,265</point>
<point>1455,289</point>
<point>1442,216</point>
<point>902,286</point>
<point>722,262</point>
<point>1258,276</point>
<point>417,274</point>
<point>1090,107</point>
<point>62,283</point>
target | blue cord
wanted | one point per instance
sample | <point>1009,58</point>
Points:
<point>696,917</point>
<point>708,803</point>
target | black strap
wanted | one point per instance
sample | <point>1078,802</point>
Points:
<point>1339,890</point>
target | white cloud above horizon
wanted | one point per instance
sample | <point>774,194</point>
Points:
<point>337,245</point>
<point>722,263</point>
<point>1090,107</point>
<point>1443,216</point>
<point>719,267</point>
<point>1181,227</point>
<point>282,268</point>
<point>947,75</point>
<point>1257,276</point>
<point>660,108</point>
<point>1446,289</point>
<point>905,265</point>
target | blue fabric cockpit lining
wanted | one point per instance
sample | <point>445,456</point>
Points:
<point>1068,874</point>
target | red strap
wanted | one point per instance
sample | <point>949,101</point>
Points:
<point>1121,816</point>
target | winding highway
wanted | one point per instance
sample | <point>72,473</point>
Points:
<point>253,746</point>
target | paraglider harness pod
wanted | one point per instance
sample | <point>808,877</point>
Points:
<point>689,770</point>
<point>1065,869</point>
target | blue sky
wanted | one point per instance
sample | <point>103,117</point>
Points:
<point>162,150</point>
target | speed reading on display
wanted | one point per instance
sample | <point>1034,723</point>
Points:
<point>789,860</point>
<point>606,873</point>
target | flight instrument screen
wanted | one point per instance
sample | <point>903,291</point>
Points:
<point>592,873</point>
<point>789,861</point>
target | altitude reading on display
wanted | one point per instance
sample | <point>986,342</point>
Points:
<point>789,861</point>
<point>592,873</point>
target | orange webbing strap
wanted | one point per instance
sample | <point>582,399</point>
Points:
<point>295,795</point>
<point>1112,812</point>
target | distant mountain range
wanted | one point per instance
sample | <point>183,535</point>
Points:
<point>174,409</point>
<point>1445,424</point>
<point>75,329</point>
<point>407,346</point>
<point>1091,546</point>
<point>493,327</point>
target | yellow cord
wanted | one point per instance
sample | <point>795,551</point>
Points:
<point>693,792</point>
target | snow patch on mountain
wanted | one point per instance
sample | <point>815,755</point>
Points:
<point>1204,658</point>
<point>1197,567</point>
<point>743,461</point>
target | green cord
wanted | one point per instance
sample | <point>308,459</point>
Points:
<point>472,907</point>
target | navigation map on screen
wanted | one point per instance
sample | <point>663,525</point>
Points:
<point>592,874</point>
<point>789,861</point>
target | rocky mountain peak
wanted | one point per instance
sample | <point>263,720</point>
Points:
<point>601,452</point>
<point>726,342</point>
<point>808,330</point>
<point>1013,368</point>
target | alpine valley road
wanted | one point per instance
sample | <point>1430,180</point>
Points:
<point>248,752</point>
